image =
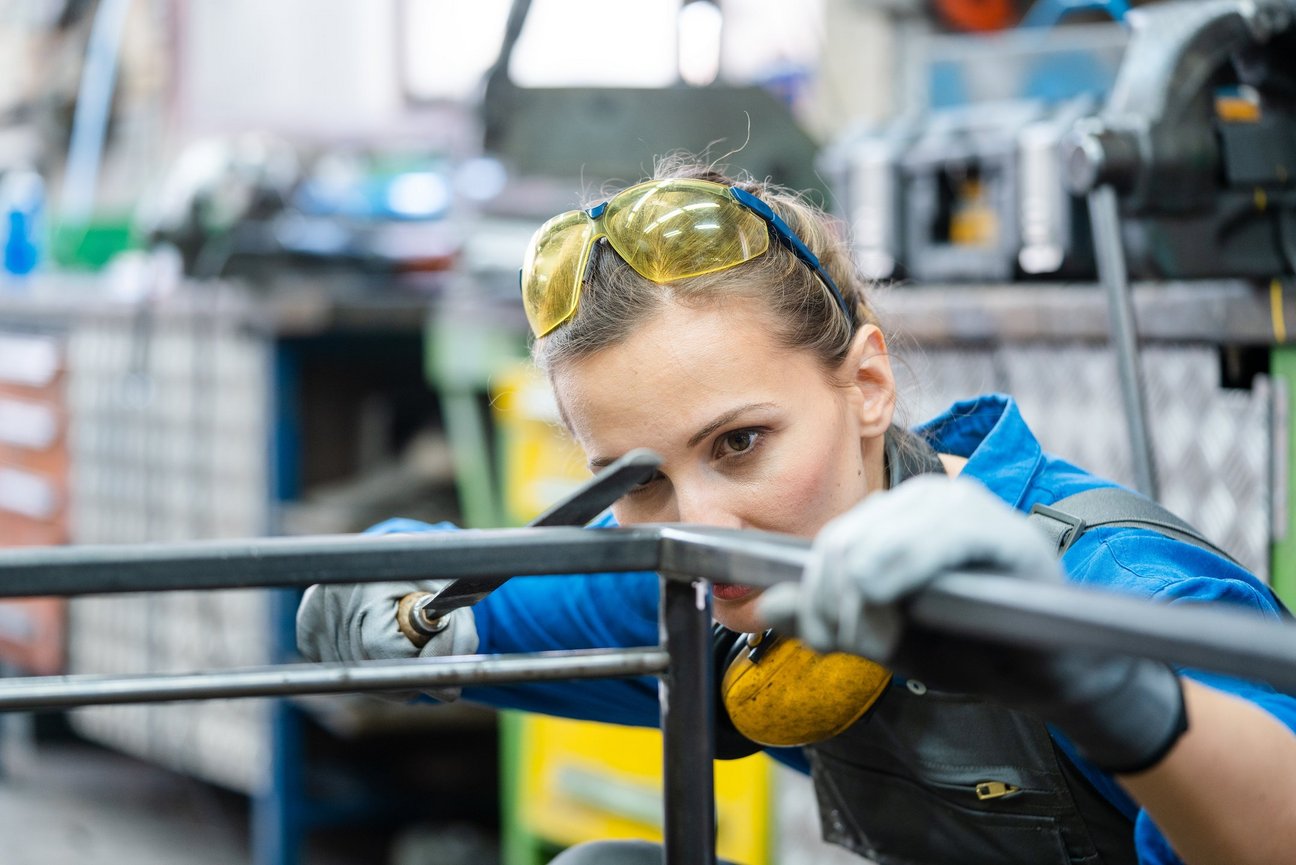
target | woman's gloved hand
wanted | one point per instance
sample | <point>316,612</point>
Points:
<point>358,622</point>
<point>1122,713</point>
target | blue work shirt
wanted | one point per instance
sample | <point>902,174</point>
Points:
<point>617,610</point>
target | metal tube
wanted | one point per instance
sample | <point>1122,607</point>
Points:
<point>688,729</point>
<point>1233,641</point>
<point>1104,219</point>
<point>302,561</point>
<point>63,692</point>
<point>732,556</point>
<point>1225,640</point>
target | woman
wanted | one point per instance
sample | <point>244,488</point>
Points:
<point>722,325</point>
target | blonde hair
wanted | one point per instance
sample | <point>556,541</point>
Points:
<point>615,299</point>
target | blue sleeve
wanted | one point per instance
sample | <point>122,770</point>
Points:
<point>1168,571</point>
<point>583,611</point>
<point>586,611</point>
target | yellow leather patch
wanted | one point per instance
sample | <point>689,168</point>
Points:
<point>792,695</point>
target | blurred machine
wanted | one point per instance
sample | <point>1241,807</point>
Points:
<point>1198,140</point>
<point>1181,172</point>
<point>255,205</point>
<point>966,185</point>
<point>1197,137</point>
<point>973,194</point>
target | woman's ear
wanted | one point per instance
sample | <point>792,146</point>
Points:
<point>867,368</point>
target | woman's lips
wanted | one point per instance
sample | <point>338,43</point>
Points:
<point>730,591</point>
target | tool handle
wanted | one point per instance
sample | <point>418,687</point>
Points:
<point>421,615</point>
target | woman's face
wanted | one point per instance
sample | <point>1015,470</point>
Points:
<point>752,435</point>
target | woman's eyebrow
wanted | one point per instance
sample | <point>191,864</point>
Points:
<point>724,419</point>
<point>721,420</point>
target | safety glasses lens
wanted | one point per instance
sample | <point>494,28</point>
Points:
<point>676,229</point>
<point>554,268</point>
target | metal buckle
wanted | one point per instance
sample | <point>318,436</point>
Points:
<point>1075,525</point>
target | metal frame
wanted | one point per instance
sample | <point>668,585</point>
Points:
<point>1008,610</point>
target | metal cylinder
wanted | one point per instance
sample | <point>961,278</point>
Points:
<point>688,729</point>
<point>1094,156</point>
<point>64,692</point>
<point>1104,217</point>
<point>298,562</point>
<point>1226,640</point>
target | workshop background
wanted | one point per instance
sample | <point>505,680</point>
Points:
<point>260,277</point>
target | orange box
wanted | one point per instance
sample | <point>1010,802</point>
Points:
<point>33,630</point>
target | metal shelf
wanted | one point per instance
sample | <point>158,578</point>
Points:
<point>1216,311</point>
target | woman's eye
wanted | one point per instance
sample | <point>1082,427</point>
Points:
<point>739,441</point>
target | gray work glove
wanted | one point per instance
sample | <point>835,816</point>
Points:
<point>1122,713</point>
<point>358,623</point>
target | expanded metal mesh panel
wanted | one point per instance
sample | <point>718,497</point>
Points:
<point>1211,444</point>
<point>168,432</point>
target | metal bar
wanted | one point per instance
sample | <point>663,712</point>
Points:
<point>302,561</point>
<point>1225,640</point>
<point>1207,311</point>
<point>1104,219</point>
<point>686,700</point>
<point>731,556</point>
<point>1232,641</point>
<point>63,692</point>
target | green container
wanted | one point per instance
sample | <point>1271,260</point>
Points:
<point>1282,564</point>
<point>89,246</point>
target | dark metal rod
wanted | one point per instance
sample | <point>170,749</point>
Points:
<point>1227,640</point>
<point>732,556</point>
<point>63,692</point>
<point>1109,250</point>
<point>1221,639</point>
<point>302,561</point>
<point>1233,641</point>
<point>688,747</point>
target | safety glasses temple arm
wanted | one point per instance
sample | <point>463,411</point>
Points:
<point>789,239</point>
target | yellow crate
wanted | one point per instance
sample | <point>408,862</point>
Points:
<point>538,460</point>
<point>582,781</point>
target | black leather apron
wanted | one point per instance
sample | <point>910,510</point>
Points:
<point>932,778</point>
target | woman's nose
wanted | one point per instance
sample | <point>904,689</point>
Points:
<point>703,510</point>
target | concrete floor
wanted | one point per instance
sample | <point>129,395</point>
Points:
<point>66,801</point>
<point>77,804</point>
<point>69,802</point>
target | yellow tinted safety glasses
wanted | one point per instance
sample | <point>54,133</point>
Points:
<point>664,229</point>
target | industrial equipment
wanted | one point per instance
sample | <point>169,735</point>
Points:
<point>965,185</point>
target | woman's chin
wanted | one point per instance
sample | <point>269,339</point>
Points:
<point>734,606</point>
